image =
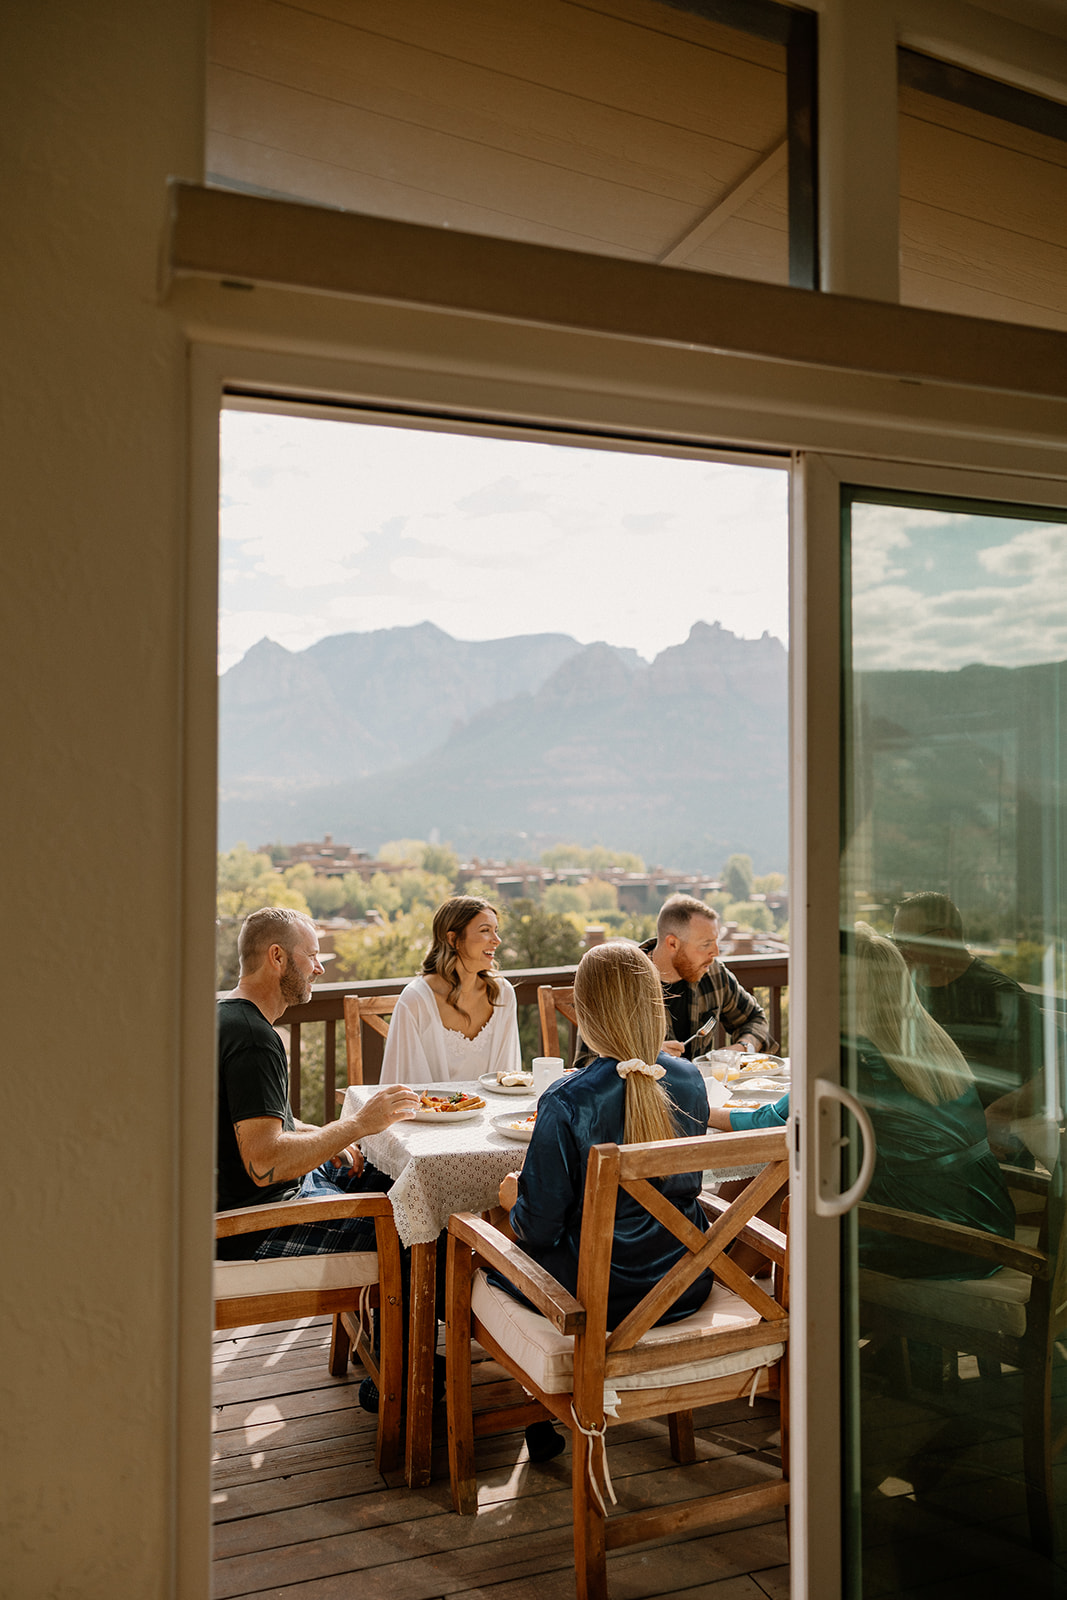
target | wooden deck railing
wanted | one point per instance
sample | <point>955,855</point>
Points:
<point>326,1006</point>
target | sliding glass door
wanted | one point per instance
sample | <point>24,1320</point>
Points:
<point>951,928</point>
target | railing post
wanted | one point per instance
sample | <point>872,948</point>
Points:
<point>329,1073</point>
<point>294,1067</point>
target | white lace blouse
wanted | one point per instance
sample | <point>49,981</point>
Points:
<point>420,1049</point>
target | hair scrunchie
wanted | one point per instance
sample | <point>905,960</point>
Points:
<point>647,1069</point>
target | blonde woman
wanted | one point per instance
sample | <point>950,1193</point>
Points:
<point>457,1020</point>
<point>631,1092</point>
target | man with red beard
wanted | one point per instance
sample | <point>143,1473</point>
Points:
<point>264,1154</point>
<point>697,988</point>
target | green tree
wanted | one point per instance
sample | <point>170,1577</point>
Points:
<point>326,896</point>
<point>534,937</point>
<point>563,855</point>
<point>403,852</point>
<point>481,890</point>
<point>737,877</point>
<point>769,883</point>
<point>600,895</point>
<point>383,895</point>
<point>247,880</point>
<point>597,858</point>
<point>418,888</point>
<point>561,898</point>
<point>442,860</point>
<point>748,914</point>
<point>392,951</point>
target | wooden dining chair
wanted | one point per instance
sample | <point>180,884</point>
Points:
<point>552,1004</point>
<point>346,1285</point>
<point>591,1378</point>
<point>375,1011</point>
<point>1016,1317</point>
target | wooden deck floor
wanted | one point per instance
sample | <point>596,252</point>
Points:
<point>301,1513</point>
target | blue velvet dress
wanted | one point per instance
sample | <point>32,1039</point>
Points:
<point>575,1113</point>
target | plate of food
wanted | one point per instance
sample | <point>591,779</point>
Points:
<point>770,1088</point>
<point>745,1105</point>
<point>456,1107</point>
<point>520,1128</point>
<point>507,1082</point>
<point>755,1061</point>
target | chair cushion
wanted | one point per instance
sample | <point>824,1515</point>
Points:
<point>291,1274</point>
<point>991,1305</point>
<point>547,1356</point>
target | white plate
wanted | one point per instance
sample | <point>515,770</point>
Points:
<point>422,1115</point>
<point>490,1083</point>
<point>759,1090</point>
<point>757,1061</point>
<point>506,1125</point>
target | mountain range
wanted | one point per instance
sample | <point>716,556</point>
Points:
<point>503,747</point>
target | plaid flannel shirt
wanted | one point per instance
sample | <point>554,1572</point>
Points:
<point>718,994</point>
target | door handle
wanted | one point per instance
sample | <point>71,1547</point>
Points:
<point>829,1141</point>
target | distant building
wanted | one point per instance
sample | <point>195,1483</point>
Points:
<point>327,860</point>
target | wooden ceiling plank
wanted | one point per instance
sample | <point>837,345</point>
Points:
<point>413,87</point>
<point>963,250</point>
<point>688,25</point>
<point>425,164</point>
<point>301,179</point>
<point>744,249</point>
<point>720,213</point>
<point>970,178</point>
<point>579,52</point>
<point>934,112</point>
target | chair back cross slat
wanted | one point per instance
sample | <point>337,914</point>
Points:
<point>706,1252</point>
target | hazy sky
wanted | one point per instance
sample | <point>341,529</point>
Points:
<point>937,589</point>
<point>335,527</point>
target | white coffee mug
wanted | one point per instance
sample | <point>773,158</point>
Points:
<point>546,1069</point>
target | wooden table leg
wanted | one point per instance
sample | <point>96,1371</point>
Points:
<point>422,1342</point>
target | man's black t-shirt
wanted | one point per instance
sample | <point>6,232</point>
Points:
<point>253,1082</point>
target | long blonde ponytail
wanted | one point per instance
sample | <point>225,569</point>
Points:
<point>618,999</point>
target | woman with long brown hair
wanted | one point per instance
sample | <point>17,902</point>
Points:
<point>457,1020</point>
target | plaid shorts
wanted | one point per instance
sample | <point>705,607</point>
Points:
<point>324,1238</point>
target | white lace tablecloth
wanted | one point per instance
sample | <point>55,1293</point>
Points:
<point>441,1167</point>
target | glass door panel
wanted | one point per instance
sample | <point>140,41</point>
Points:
<point>954,1004</point>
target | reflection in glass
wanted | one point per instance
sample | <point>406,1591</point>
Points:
<point>954,856</point>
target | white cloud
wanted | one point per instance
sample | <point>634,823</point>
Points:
<point>486,537</point>
<point>1010,613</point>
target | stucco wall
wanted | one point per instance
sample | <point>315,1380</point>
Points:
<point>101,103</point>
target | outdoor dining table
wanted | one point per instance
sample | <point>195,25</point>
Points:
<point>439,1167</point>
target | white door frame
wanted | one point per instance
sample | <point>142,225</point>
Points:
<point>296,346</point>
<point>816,660</point>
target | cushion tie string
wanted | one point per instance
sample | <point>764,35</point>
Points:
<point>363,1314</point>
<point>752,1390</point>
<point>591,1434</point>
<point>647,1069</point>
